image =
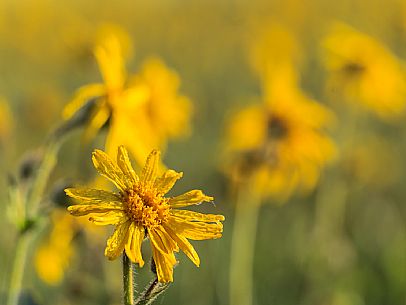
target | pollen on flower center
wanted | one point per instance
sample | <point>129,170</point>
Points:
<point>146,207</point>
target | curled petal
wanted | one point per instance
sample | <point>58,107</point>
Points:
<point>195,230</point>
<point>185,246</point>
<point>162,241</point>
<point>167,181</point>
<point>164,265</point>
<point>133,244</point>
<point>86,209</point>
<point>151,166</point>
<point>117,241</point>
<point>194,216</point>
<point>106,167</point>
<point>189,198</point>
<point>123,161</point>
<point>109,218</point>
<point>91,195</point>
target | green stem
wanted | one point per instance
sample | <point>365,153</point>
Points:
<point>18,268</point>
<point>41,179</point>
<point>154,290</point>
<point>30,214</point>
<point>128,280</point>
<point>243,248</point>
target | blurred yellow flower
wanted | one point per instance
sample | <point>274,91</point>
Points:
<point>140,210</point>
<point>144,110</point>
<point>365,71</point>
<point>53,256</point>
<point>280,145</point>
<point>162,113</point>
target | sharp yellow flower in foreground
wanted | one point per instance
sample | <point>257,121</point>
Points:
<point>365,71</point>
<point>140,210</point>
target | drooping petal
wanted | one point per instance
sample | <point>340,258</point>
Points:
<point>185,246</point>
<point>98,118</point>
<point>117,241</point>
<point>92,195</point>
<point>106,167</point>
<point>189,198</point>
<point>82,96</point>
<point>114,217</point>
<point>86,209</point>
<point>195,230</point>
<point>123,161</point>
<point>164,265</point>
<point>162,241</point>
<point>167,181</point>
<point>151,166</point>
<point>195,216</point>
<point>133,245</point>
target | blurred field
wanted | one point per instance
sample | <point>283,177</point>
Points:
<point>341,241</point>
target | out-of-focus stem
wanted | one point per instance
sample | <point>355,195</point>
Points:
<point>128,280</point>
<point>30,213</point>
<point>18,268</point>
<point>243,248</point>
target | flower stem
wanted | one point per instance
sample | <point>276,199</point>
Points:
<point>18,268</point>
<point>243,248</point>
<point>152,292</point>
<point>30,209</point>
<point>128,280</point>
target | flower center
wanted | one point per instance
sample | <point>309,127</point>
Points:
<point>277,127</point>
<point>146,207</point>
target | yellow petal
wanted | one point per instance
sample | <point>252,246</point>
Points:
<point>114,217</point>
<point>99,117</point>
<point>133,244</point>
<point>109,57</point>
<point>117,241</point>
<point>106,167</point>
<point>162,241</point>
<point>189,198</point>
<point>195,230</point>
<point>92,195</point>
<point>185,245</point>
<point>194,216</point>
<point>164,265</point>
<point>123,161</point>
<point>151,166</point>
<point>85,209</point>
<point>167,181</point>
<point>82,96</point>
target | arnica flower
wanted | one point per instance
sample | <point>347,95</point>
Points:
<point>280,145</point>
<point>54,255</point>
<point>364,71</point>
<point>140,210</point>
<point>146,107</point>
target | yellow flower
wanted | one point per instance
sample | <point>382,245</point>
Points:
<point>140,210</point>
<point>365,71</point>
<point>53,256</point>
<point>280,145</point>
<point>146,107</point>
<point>162,113</point>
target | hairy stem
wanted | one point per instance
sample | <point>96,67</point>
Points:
<point>128,280</point>
<point>243,248</point>
<point>152,292</point>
